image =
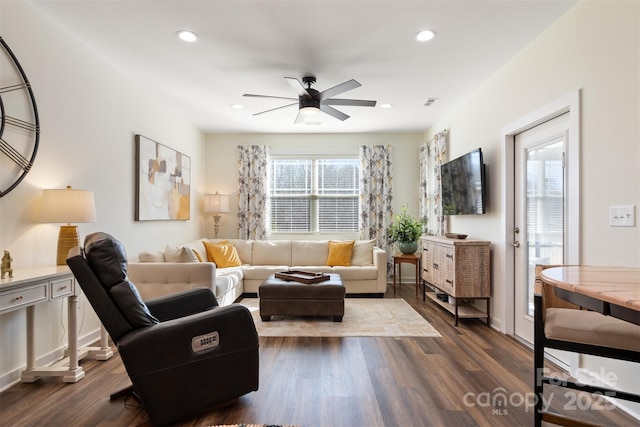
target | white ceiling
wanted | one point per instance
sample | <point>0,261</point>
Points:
<point>248,46</point>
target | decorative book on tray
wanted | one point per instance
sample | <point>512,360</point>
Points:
<point>308,277</point>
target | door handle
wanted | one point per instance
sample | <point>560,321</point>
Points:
<point>516,244</point>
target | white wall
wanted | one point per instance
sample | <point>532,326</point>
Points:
<point>89,114</point>
<point>594,47</point>
<point>222,166</point>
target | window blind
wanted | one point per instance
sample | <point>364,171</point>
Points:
<point>314,195</point>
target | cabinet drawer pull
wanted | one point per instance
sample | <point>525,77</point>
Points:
<point>449,281</point>
<point>62,288</point>
<point>19,298</point>
<point>435,265</point>
<point>450,256</point>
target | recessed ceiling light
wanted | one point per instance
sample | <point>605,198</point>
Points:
<point>425,35</point>
<point>236,106</point>
<point>386,105</point>
<point>187,36</point>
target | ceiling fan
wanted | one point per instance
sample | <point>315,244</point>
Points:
<point>310,101</point>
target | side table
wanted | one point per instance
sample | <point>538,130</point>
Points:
<point>401,258</point>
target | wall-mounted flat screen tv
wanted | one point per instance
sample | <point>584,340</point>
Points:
<point>463,185</point>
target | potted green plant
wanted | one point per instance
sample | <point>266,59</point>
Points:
<point>406,230</point>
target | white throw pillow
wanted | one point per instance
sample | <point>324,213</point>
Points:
<point>363,252</point>
<point>151,256</point>
<point>198,246</point>
<point>180,254</point>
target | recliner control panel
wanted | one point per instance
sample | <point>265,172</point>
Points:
<point>205,342</point>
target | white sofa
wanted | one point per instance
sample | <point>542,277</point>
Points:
<point>156,272</point>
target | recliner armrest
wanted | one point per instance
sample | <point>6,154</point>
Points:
<point>171,341</point>
<point>182,304</point>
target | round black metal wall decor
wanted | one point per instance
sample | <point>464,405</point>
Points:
<point>20,126</point>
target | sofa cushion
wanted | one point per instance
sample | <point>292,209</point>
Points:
<point>227,279</point>
<point>271,252</point>
<point>180,254</point>
<point>356,273</point>
<point>309,252</point>
<point>245,249</point>
<point>261,272</point>
<point>224,255</point>
<point>340,253</point>
<point>363,252</point>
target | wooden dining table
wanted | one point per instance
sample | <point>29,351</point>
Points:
<point>612,291</point>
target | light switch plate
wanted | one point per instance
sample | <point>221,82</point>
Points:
<point>622,216</point>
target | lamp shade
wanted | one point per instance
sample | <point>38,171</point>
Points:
<point>216,203</point>
<point>67,206</point>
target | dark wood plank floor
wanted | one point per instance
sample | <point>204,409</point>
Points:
<point>330,382</point>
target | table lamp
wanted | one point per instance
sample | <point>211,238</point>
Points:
<point>67,206</point>
<point>216,204</point>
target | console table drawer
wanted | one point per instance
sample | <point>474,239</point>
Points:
<point>23,297</point>
<point>61,288</point>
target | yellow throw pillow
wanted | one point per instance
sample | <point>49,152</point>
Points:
<point>223,255</point>
<point>340,253</point>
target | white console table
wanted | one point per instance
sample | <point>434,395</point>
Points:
<point>30,287</point>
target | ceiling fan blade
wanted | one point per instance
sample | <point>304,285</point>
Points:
<point>299,118</point>
<point>297,86</point>
<point>354,102</point>
<point>342,87</point>
<point>273,109</point>
<point>267,96</point>
<point>333,112</point>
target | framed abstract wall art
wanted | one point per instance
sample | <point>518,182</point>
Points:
<point>163,182</point>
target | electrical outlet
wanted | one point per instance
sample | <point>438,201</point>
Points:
<point>622,216</point>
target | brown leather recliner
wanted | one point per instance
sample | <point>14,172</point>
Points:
<point>183,353</point>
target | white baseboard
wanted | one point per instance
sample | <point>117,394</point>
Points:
<point>9,379</point>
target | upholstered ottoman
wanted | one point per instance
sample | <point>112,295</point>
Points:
<point>288,298</point>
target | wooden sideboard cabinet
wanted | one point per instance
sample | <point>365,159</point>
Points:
<point>460,269</point>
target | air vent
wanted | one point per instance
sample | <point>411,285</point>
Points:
<point>429,102</point>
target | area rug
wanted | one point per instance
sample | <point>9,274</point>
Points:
<point>363,317</point>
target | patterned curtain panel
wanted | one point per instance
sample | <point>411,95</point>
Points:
<point>432,155</point>
<point>376,195</point>
<point>252,192</point>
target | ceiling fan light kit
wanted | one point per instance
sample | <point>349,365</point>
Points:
<point>309,111</point>
<point>311,101</point>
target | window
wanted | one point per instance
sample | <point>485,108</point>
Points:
<point>314,195</point>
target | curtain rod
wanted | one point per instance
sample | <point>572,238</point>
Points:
<point>445,131</point>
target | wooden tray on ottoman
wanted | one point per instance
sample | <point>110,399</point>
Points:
<point>308,277</point>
